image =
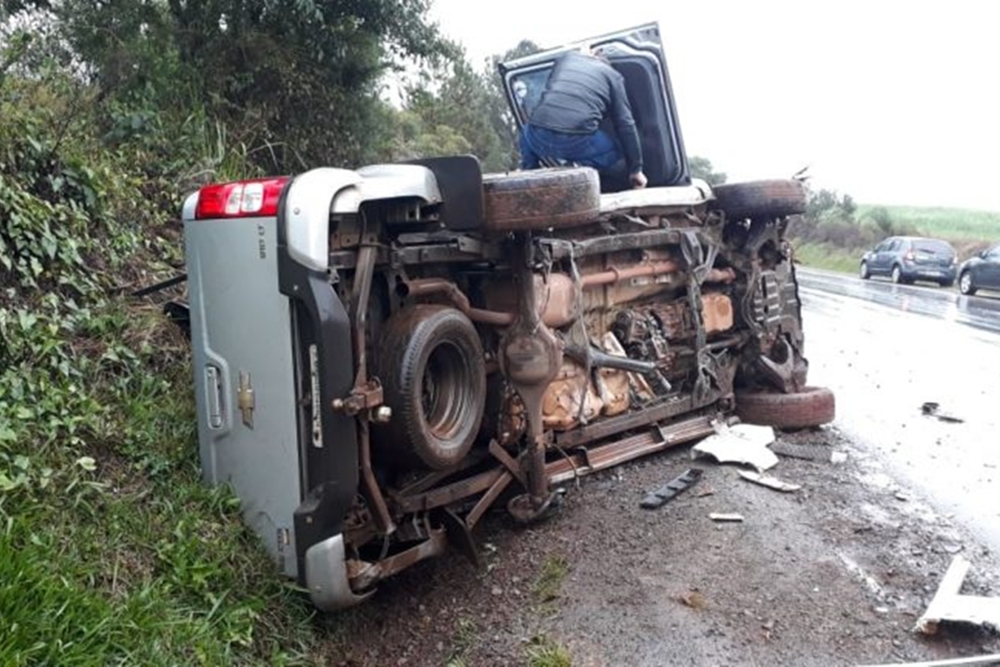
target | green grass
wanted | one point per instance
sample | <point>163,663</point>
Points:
<point>112,550</point>
<point>549,582</point>
<point>950,223</point>
<point>829,257</point>
<point>543,651</point>
<point>463,640</point>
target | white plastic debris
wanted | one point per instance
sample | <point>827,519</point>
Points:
<point>949,605</point>
<point>726,517</point>
<point>769,481</point>
<point>742,443</point>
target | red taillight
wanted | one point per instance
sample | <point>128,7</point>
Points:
<point>908,256</point>
<point>257,197</point>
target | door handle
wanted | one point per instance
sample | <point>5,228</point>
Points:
<point>214,396</point>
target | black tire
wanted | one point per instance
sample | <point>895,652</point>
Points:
<point>761,199</point>
<point>813,406</point>
<point>541,199</point>
<point>865,273</point>
<point>897,275</point>
<point>965,284</point>
<point>433,377</point>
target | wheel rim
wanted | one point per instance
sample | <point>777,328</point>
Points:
<point>896,274</point>
<point>864,269</point>
<point>965,283</point>
<point>445,391</point>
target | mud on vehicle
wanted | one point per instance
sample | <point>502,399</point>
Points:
<point>382,355</point>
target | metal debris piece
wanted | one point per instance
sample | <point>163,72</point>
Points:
<point>742,443</point>
<point>671,489</point>
<point>726,518</point>
<point>948,605</point>
<point>769,481</point>
<point>933,409</point>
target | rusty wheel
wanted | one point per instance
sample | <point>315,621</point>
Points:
<point>431,366</point>
<point>761,199</point>
<point>812,406</point>
<point>542,198</point>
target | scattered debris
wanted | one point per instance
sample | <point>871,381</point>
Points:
<point>670,490</point>
<point>869,581</point>
<point>705,490</point>
<point>808,452</point>
<point>742,443</point>
<point>902,497</point>
<point>932,409</point>
<point>693,599</point>
<point>949,605</point>
<point>769,481</point>
<point>950,662</point>
<point>723,517</point>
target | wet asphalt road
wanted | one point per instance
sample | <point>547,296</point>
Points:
<point>885,350</point>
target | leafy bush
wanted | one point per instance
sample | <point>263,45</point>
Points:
<point>111,550</point>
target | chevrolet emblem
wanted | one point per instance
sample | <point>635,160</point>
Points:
<point>245,399</point>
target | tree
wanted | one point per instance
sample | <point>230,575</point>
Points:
<point>880,216</point>
<point>299,79</point>
<point>455,108</point>
<point>702,168</point>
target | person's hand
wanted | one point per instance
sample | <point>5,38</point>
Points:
<point>638,180</point>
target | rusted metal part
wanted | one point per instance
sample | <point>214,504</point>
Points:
<point>557,293</point>
<point>435,477</point>
<point>365,393</point>
<point>505,459</point>
<point>363,574</point>
<point>531,357</point>
<point>488,499</point>
<point>364,397</point>
<point>779,367</point>
<point>614,275</point>
<point>577,463</point>
<point>609,427</point>
<point>524,509</point>
<point>427,286</point>
<point>448,494</point>
<point>570,398</point>
<point>562,249</point>
<point>717,312</point>
<point>582,463</point>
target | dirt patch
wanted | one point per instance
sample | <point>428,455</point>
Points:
<point>836,573</point>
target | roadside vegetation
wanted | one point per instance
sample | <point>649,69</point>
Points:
<point>835,231</point>
<point>112,551</point>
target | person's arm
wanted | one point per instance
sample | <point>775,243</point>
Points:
<point>628,135</point>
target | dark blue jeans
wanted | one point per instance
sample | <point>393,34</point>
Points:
<point>597,150</point>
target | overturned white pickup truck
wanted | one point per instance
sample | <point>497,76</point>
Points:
<point>384,354</point>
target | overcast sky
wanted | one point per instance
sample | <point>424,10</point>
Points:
<point>890,102</point>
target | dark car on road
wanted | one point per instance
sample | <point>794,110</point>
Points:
<point>980,272</point>
<point>905,259</point>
